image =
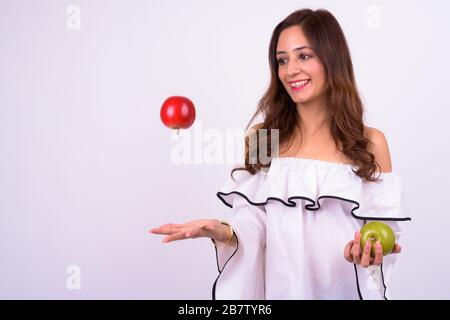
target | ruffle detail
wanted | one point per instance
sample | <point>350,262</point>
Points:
<point>289,180</point>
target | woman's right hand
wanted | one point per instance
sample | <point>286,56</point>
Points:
<point>210,228</point>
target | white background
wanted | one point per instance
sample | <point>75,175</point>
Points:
<point>85,162</point>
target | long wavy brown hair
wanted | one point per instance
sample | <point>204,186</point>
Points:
<point>342,98</point>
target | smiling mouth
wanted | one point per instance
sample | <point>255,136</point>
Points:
<point>297,85</point>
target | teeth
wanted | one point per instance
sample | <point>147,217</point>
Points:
<point>299,83</point>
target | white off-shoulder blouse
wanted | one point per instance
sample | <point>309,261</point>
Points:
<point>292,224</point>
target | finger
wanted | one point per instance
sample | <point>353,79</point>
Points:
<point>348,251</point>
<point>157,231</point>
<point>397,248</point>
<point>166,229</point>
<point>365,260</point>
<point>160,228</point>
<point>175,237</point>
<point>356,249</point>
<point>171,225</point>
<point>378,254</point>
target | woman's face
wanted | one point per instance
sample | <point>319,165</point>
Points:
<point>299,69</point>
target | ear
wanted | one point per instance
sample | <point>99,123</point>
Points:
<point>380,149</point>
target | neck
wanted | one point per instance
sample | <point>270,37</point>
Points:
<point>313,119</point>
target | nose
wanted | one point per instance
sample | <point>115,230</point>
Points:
<point>293,69</point>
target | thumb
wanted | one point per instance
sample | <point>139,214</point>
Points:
<point>397,248</point>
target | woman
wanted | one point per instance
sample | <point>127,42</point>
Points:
<point>294,231</point>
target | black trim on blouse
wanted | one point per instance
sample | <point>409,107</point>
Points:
<point>310,207</point>
<point>218,267</point>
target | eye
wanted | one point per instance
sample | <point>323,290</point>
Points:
<point>280,61</point>
<point>304,57</point>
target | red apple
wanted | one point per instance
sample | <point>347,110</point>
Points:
<point>178,112</point>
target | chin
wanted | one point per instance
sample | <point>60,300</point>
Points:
<point>300,100</point>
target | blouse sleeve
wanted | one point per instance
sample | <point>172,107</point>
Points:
<point>242,267</point>
<point>386,203</point>
<point>374,281</point>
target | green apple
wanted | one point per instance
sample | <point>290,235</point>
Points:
<point>374,231</point>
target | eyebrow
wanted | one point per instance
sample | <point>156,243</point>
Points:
<point>296,49</point>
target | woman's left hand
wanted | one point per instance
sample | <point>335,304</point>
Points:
<point>354,254</point>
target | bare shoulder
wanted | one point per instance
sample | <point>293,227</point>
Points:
<point>255,127</point>
<point>251,132</point>
<point>379,148</point>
